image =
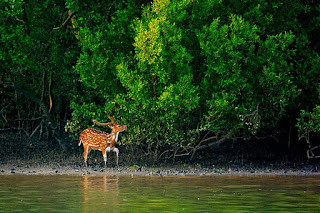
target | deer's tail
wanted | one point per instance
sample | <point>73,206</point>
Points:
<point>80,141</point>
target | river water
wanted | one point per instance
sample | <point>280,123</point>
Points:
<point>63,193</point>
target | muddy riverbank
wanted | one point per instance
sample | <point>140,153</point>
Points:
<point>19,168</point>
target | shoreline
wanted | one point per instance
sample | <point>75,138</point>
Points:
<point>14,169</point>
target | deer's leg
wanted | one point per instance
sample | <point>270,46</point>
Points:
<point>104,153</point>
<point>116,150</point>
<point>85,154</point>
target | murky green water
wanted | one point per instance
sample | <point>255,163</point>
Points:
<point>158,194</point>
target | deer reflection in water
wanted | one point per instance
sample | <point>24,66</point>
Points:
<point>100,190</point>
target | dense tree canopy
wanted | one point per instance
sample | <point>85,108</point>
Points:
<point>183,75</point>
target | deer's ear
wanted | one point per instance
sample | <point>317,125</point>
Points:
<point>110,126</point>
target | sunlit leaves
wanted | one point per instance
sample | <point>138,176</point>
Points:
<point>249,78</point>
<point>309,121</point>
<point>174,70</point>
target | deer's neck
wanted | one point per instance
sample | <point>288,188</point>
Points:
<point>116,138</point>
<point>115,134</point>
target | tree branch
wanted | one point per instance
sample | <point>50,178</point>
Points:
<point>31,96</point>
<point>197,148</point>
<point>66,21</point>
<point>9,129</point>
<point>26,28</point>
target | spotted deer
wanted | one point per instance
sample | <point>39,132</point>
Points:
<point>102,141</point>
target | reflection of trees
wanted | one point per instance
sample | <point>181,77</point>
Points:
<point>100,193</point>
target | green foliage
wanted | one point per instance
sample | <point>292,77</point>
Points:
<point>178,71</point>
<point>180,74</point>
<point>133,167</point>
<point>309,122</point>
<point>36,66</point>
<point>160,82</point>
<point>13,44</point>
<point>248,79</point>
<point>13,49</point>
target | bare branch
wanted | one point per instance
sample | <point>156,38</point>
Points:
<point>208,139</point>
<point>34,131</point>
<point>9,129</point>
<point>66,21</point>
<point>26,119</point>
<point>24,24</point>
<point>310,153</point>
<point>20,20</point>
<point>183,154</point>
<point>207,146</point>
<point>169,150</point>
